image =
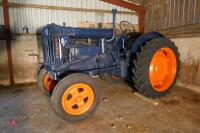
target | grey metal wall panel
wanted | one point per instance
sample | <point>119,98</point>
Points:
<point>36,18</point>
<point>97,4</point>
<point>1,16</point>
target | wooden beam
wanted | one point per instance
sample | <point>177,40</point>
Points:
<point>20,5</point>
<point>141,21</point>
<point>125,4</point>
<point>8,38</point>
<point>137,8</point>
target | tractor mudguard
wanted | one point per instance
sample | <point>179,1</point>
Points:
<point>143,38</point>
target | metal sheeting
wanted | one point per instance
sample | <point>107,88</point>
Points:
<point>35,18</point>
<point>1,16</point>
<point>95,4</point>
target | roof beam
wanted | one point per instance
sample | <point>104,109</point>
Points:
<point>125,4</point>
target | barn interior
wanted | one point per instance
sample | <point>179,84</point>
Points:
<point>122,109</point>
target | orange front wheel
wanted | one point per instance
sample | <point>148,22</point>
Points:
<point>75,97</point>
<point>44,81</point>
<point>49,83</point>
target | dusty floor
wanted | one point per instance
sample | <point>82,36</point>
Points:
<point>26,109</point>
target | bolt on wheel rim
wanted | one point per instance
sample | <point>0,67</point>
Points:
<point>77,99</point>
<point>162,69</point>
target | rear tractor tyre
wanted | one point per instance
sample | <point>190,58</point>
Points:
<point>156,68</point>
<point>45,83</point>
<point>75,98</point>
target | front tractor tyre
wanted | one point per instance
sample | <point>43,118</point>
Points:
<point>44,82</point>
<point>156,68</point>
<point>75,97</point>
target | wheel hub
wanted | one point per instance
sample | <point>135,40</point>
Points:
<point>77,99</point>
<point>162,69</point>
<point>48,83</point>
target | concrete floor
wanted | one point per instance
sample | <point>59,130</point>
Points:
<point>26,109</point>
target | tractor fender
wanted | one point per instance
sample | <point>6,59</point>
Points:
<point>143,38</point>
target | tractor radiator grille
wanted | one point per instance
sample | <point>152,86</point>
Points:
<point>54,53</point>
<point>66,52</point>
<point>49,51</point>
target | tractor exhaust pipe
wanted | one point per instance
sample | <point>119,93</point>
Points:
<point>114,12</point>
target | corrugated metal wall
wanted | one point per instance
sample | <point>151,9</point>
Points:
<point>1,16</point>
<point>35,18</point>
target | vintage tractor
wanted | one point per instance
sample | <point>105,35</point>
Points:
<point>72,56</point>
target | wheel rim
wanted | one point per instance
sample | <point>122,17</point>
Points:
<point>48,83</point>
<point>77,99</point>
<point>162,69</point>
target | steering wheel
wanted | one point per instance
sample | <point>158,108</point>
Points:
<point>126,26</point>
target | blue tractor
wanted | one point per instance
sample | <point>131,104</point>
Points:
<point>72,56</point>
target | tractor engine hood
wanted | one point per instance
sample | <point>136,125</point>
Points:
<point>56,30</point>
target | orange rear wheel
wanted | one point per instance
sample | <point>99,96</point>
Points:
<point>77,99</point>
<point>162,70</point>
<point>155,68</point>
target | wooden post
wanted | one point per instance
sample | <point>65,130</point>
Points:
<point>8,38</point>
